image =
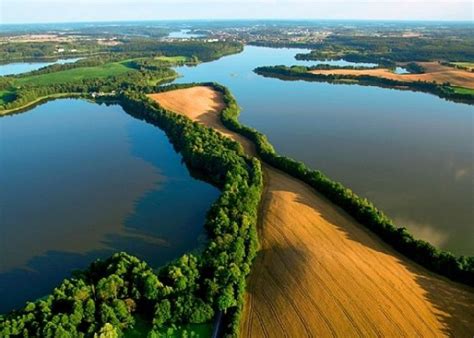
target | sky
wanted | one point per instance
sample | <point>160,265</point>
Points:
<point>48,11</point>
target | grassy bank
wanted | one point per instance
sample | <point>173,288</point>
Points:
<point>75,75</point>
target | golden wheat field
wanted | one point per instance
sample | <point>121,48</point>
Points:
<point>319,273</point>
<point>433,72</point>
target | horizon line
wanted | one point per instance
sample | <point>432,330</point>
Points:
<point>241,19</point>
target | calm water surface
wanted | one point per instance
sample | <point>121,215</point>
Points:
<point>24,67</point>
<point>410,153</point>
<point>183,34</point>
<point>81,181</point>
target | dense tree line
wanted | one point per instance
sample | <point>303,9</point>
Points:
<point>283,44</point>
<point>459,269</point>
<point>156,63</point>
<point>47,50</point>
<point>127,47</point>
<point>414,68</point>
<point>397,49</point>
<point>104,298</point>
<point>324,66</point>
<point>294,73</point>
<point>203,51</point>
<point>122,30</point>
<point>231,221</point>
<point>411,67</point>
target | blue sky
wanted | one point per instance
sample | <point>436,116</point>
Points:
<point>30,11</point>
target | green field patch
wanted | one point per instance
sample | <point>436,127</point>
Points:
<point>172,59</point>
<point>75,74</point>
<point>463,90</point>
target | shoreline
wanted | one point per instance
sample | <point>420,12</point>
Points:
<point>446,92</point>
<point>219,159</point>
<point>433,73</point>
<point>37,101</point>
<point>295,218</point>
<point>311,248</point>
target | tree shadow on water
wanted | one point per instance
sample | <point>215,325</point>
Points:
<point>41,274</point>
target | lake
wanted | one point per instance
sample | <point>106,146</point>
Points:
<point>410,153</point>
<point>24,67</point>
<point>81,181</point>
<point>183,34</point>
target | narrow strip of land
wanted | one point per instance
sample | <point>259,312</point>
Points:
<point>433,72</point>
<point>37,101</point>
<point>320,273</point>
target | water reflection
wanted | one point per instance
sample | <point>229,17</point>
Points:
<point>410,153</point>
<point>183,34</point>
<point>81,181</point>
<point>24,67</point>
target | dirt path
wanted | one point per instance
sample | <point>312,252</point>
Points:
<point>433,72</point>
<point>319,273</point>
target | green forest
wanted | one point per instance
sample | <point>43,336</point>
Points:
<point>391,49</point>
<point>139,46</point>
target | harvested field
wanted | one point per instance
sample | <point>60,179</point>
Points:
<point>37,38</point>
<point>433,72</point>
<point>320,273</point>
<point>201,104</point>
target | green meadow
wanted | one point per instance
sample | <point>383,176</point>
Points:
<point>172,59</point>
<point>462,90</point>
<point>75,74</point>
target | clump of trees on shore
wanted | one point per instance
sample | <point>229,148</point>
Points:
<point>414,68</point>
<point>379,49</point>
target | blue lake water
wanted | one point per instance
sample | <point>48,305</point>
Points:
<point>410,153</point>
<point>183,34</point>
<point>81,181</point>
<point>24,67</point>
